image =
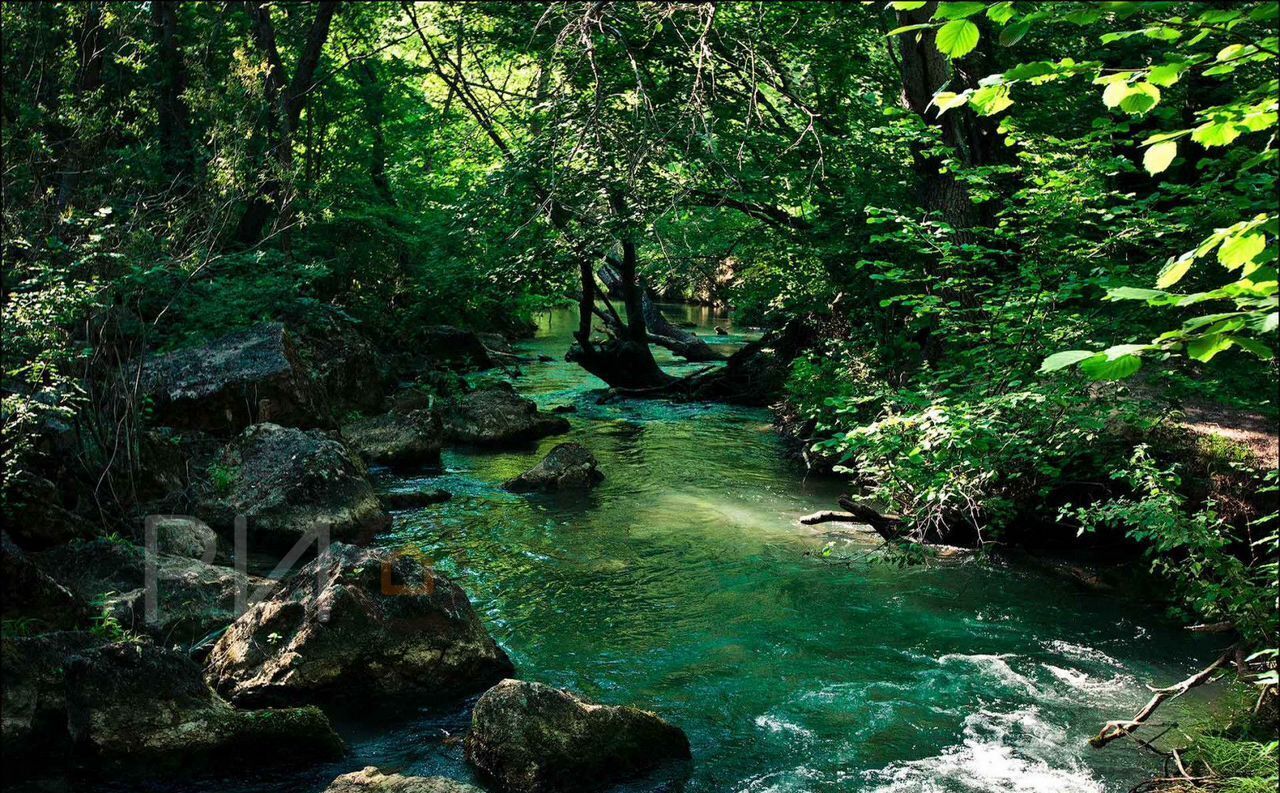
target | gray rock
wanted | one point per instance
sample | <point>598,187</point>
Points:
<point>144,704</point>
<point>34,515</point>
<point>31,594</point>
<point>286,482</point>
<point>347,371</point>
<point>532,738</point>
<point>569,466</point>
<point>33,721</point>
<point>193,599</point>
<point>180,535</point>
<point>371,780</point>
<point>397,438</point>
<point>358,623</point>
<point>239,379</point>
<point>495,416</point>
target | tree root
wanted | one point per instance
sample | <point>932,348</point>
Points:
<point>1118,729</point>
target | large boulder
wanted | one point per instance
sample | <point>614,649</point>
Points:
<point>496,415</point>
<point>144,704</point>
<point>33,721</point>
<point>397,439</point>
<point>30,595</point>
<point>454,347</point>
<point>358,623</point>
<point>35,517</point>
<point>193,599</point>
<point>532,738</point>
<point>182,535</point>
<point>569,466</point>
<point>286,482</point>
<point>239,379</point>
<point>347,370</point>
<point>371,780</point>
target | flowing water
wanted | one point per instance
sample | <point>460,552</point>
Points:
<point>683,584</point>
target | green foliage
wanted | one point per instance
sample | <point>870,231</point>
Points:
<point>223,478</point>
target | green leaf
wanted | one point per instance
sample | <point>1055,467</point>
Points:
<point>1115,94</point>
<point>1241,249</point>
<point>1133,293</point>
<point>1215,133</point>
<point>957,10</point>
<point>908,28</point>
<point>946,100</point>
<point>1104,367</point>
<point>908,5</point>
<point>1254,346</point>
<point>1172,272</point>
<point>1061,360</point>
<point>1205,347</point>
<point>1014,33</point>
<point>1000,13</point>
<point>1166,74</point>
<point>957,38</point>
<point>991,99</point>
<point>1140,98</point>
<point>1157,158</point>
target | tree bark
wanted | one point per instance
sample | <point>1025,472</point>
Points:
<point>287,98</point>
<point>171,111</point>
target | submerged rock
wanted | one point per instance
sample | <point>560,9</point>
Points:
<point>496,415</point>
<point>532,738</point>
<point>142,703</point>
<point>193,599</point>
<point>413,499</point>
<point>239,379</point>
<point>371,780</point>
<point>568,466</point>
<point>358,623</point>
<point>397,438</point>
<point>286,482</point>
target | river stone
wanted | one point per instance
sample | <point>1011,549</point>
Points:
<point>34,718</point>
<point>358,623</point>
<point>532,738</point>
<point>193,599</point>
<point>569,466</point>
<point>30,593</point>
<point>286,482</point>
<point>147,704</point>
<point>180,535</point>
<point>348,371</point>
<point>413,499</point>
<point>371,780</point>
<point>397,439</point>
<point>496,415</point>
<point>239,379</point>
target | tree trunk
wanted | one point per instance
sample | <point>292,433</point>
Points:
<point>925,70</point>
<point>286,98</point>
<point>89,56</point>
<point>171,112</point>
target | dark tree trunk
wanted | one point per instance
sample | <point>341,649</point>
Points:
<point>925,70</point>
<point>89,57</point>
<point>171,111</point>
<point>286,98</point>
<point>375,101</point>
<point>661,332</point>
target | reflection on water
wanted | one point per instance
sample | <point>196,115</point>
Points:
<point>684,585</point>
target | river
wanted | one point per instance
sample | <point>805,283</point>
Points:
<point>684,585</point>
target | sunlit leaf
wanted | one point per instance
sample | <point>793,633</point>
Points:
<point>957,38</point>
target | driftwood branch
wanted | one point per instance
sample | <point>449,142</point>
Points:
<point>829,516</point>
<point>1118,729</point>
<point>887,526</point>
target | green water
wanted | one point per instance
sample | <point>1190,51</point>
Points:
<point>683,584</point>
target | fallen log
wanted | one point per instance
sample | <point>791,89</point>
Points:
<point>1118,729</point>
<point>829,516</point>
<point>887,526</point>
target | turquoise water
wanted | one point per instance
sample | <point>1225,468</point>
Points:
<point>684,584</point>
